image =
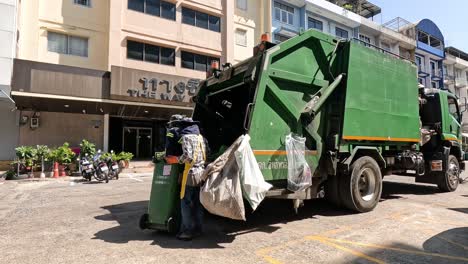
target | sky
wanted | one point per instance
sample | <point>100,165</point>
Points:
<point>451,16</point>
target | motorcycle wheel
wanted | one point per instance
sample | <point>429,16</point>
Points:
<point>106,177</point>
<point>98,176</point>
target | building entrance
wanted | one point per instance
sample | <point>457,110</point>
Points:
<point>138,140</point>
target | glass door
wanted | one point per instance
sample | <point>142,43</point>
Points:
<point>130,140</point>
<point>139,141</point>
<point>145,142</point>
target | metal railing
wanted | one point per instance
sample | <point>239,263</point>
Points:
<point>372,46</point>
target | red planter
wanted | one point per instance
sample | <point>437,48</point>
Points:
<point>62,171</point>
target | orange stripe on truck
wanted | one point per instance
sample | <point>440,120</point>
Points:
<point>415,140</point>
<point>279,152</point>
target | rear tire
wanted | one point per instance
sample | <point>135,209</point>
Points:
<point>448,182</point>
<point>361,190</point>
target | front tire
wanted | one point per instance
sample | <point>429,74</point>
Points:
<point>448,182</point>
<point>361,190</point>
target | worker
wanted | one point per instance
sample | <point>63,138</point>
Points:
<point>194,156</point>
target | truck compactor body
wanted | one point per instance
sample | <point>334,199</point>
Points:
<point>360,109</point>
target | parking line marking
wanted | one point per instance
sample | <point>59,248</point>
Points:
<point>327,241</point>
<point>415,252</point>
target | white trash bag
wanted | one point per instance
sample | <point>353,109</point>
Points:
<point>299,173</point>
<point>254,186</point>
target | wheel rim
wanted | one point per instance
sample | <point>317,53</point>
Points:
<point>366,184</point>
<point>453,173</point>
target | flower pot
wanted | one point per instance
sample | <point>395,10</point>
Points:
<point>62,172</point>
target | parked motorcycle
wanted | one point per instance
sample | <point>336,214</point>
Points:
<point>114,168</point>
<point>87,168</point>
<point>102,170</point>
<point>94,167</point>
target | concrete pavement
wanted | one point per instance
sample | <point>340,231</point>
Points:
<point>77,222</point>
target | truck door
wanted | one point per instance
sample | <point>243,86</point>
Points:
<point>453,119</point>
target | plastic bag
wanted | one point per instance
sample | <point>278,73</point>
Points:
<point>222,193</point>
<point>253,184</point>
<point>299,173</point>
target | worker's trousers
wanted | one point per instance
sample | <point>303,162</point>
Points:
<point>192,211</point>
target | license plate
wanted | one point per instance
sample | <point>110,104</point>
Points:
<point>104,169</point>
<point>114,167</point>
<point>88,170</point>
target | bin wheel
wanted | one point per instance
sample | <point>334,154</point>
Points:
<point>448,182</point>
<point>361,190</point>
<point>144,219</point>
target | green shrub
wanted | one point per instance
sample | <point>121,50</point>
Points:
<point>27,154</point>
<point>87,148</point>
<point>9,175</point>
<point>127,156</point>
<point>63,154</point>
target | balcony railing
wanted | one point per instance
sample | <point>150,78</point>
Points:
<point>437,74</point>
<point>449,79</point>
<point>461,82</point>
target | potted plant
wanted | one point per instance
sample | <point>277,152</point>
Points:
<point>124,159</point>
<point>63,155</point>
<point>10,175</point>
<point>87,147</point>
<point>42,154</point>
<point>27,155</point>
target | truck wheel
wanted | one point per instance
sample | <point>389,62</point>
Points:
<point>332,191</point>
<point>448,182</point>
<point>362,189</point>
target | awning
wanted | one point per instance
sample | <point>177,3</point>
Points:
<point>5,96</point>
<point>465,135</point>
<point>286,32</point>
<point>71,104</point>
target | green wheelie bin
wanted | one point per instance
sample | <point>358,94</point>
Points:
<point>164,204</point>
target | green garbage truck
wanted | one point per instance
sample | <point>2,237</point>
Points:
<point>360,109</point>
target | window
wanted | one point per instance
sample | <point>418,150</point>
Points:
<point>196,61</point>
<point>341,33</point>
<point>434,69</point>
<point>150,53</point>
<point>434,84</point>
<point>284,13</point>
<point>65,44</point>
<point>154,7</point>
<point>201,20</point>
<point>421,81</point>
<point>420,63</point>
<point>280,38</point>
<point>453,108</point>
<point>316,24</point>
<point>365,40</point>
<point>83,2</point>
<point>241,37</point>
<point>241,4</point>
<point>386,47</point>
<point>423,37</point>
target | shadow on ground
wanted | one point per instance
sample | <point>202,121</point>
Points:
<point>448,247</point>
<point>395,190</point>
<point>217,231</point>
<point>220,230</point>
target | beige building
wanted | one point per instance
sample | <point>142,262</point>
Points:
<point>114,71</point>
